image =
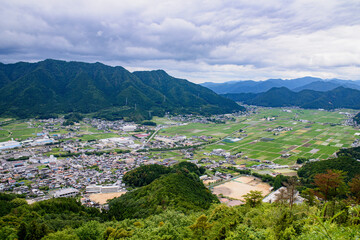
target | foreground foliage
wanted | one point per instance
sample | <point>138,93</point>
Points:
<point>264,221</point>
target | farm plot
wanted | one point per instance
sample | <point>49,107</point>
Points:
<point>306,130</point>
<point>211,129</point>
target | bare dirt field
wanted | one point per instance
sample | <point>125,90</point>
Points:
<point>238,187</point>
<point>101,198</point>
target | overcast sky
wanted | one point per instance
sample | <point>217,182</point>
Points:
<point>198,40</point>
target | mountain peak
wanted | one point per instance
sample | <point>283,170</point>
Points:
<point>60,87</point>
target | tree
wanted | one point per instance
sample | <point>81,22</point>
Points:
<point>309,195</point>
<point>355,188</point>
<point>200,227</point>
<point>89,231</point>
<point>7,233</point>
<point>36,231</point>
<point>330,184</point>
<point>22,231</point>
<point>301,160</point>
<point>253,198</point>
<point>277,182</point>
<point>67,234</point>
<point>291,185</point>
<point>282,196</point>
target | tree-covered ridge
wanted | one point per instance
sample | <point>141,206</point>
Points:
<point>282,97</point>
<point>146,174</point>
<point>347,164</point>
<point>51,86</point>
<point>179,191</point>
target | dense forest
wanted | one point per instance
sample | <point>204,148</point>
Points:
<point>58,87</point>
<point>174,204</point>
<point>283,97</point>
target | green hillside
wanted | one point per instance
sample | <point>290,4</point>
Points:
<point>51,86</point>
<point>179,191</point>
<point>282,97</point>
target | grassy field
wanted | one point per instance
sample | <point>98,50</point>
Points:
<point>318,137</point>
<point>18,131</point>
<point>198,129</point>
<point>21,130</point>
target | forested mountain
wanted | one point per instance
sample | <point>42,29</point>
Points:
<point>357,118</point>
<point>282,97</point>
<point>298,84</point>
<point>322,86</point>
<point>52,86</point>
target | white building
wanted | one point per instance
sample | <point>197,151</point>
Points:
<point>66,192</point>
<point>42,141</point>
<point>9,144</point>
<point>93,189</point>
<point>129,128</point>
<point>102,189</point>
<point>119,140</point>
<point>109,189</point>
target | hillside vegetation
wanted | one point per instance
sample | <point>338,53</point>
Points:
<point>51,86</point>
<point>179,191</point>
<point>146,174</point>
<point>282,97</point>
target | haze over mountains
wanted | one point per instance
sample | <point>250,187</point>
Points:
<point>296,85</point>
<point>52,86</point>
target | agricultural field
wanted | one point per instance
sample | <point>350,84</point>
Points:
<point>216,131</point>
<point>17,131</point>
<point>310,134</point>
<point>238,187</point>
<point>20,131</point>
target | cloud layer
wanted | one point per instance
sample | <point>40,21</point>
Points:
<point>201,40</point>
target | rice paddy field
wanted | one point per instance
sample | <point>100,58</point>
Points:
<point>17,131</point>
<point>311,134</point>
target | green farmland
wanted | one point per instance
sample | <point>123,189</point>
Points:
<point>313,134</point>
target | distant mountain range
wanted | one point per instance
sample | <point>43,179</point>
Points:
<point>339,97</point>
<point>57,87</point>
<point>296,85</point>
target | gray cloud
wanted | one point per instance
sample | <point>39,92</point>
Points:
<point>202,40</point>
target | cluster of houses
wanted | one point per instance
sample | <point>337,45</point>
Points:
<point>190,118</point>
<point>161,141</point>
<point>279,129</point>
<point>41,175</point>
